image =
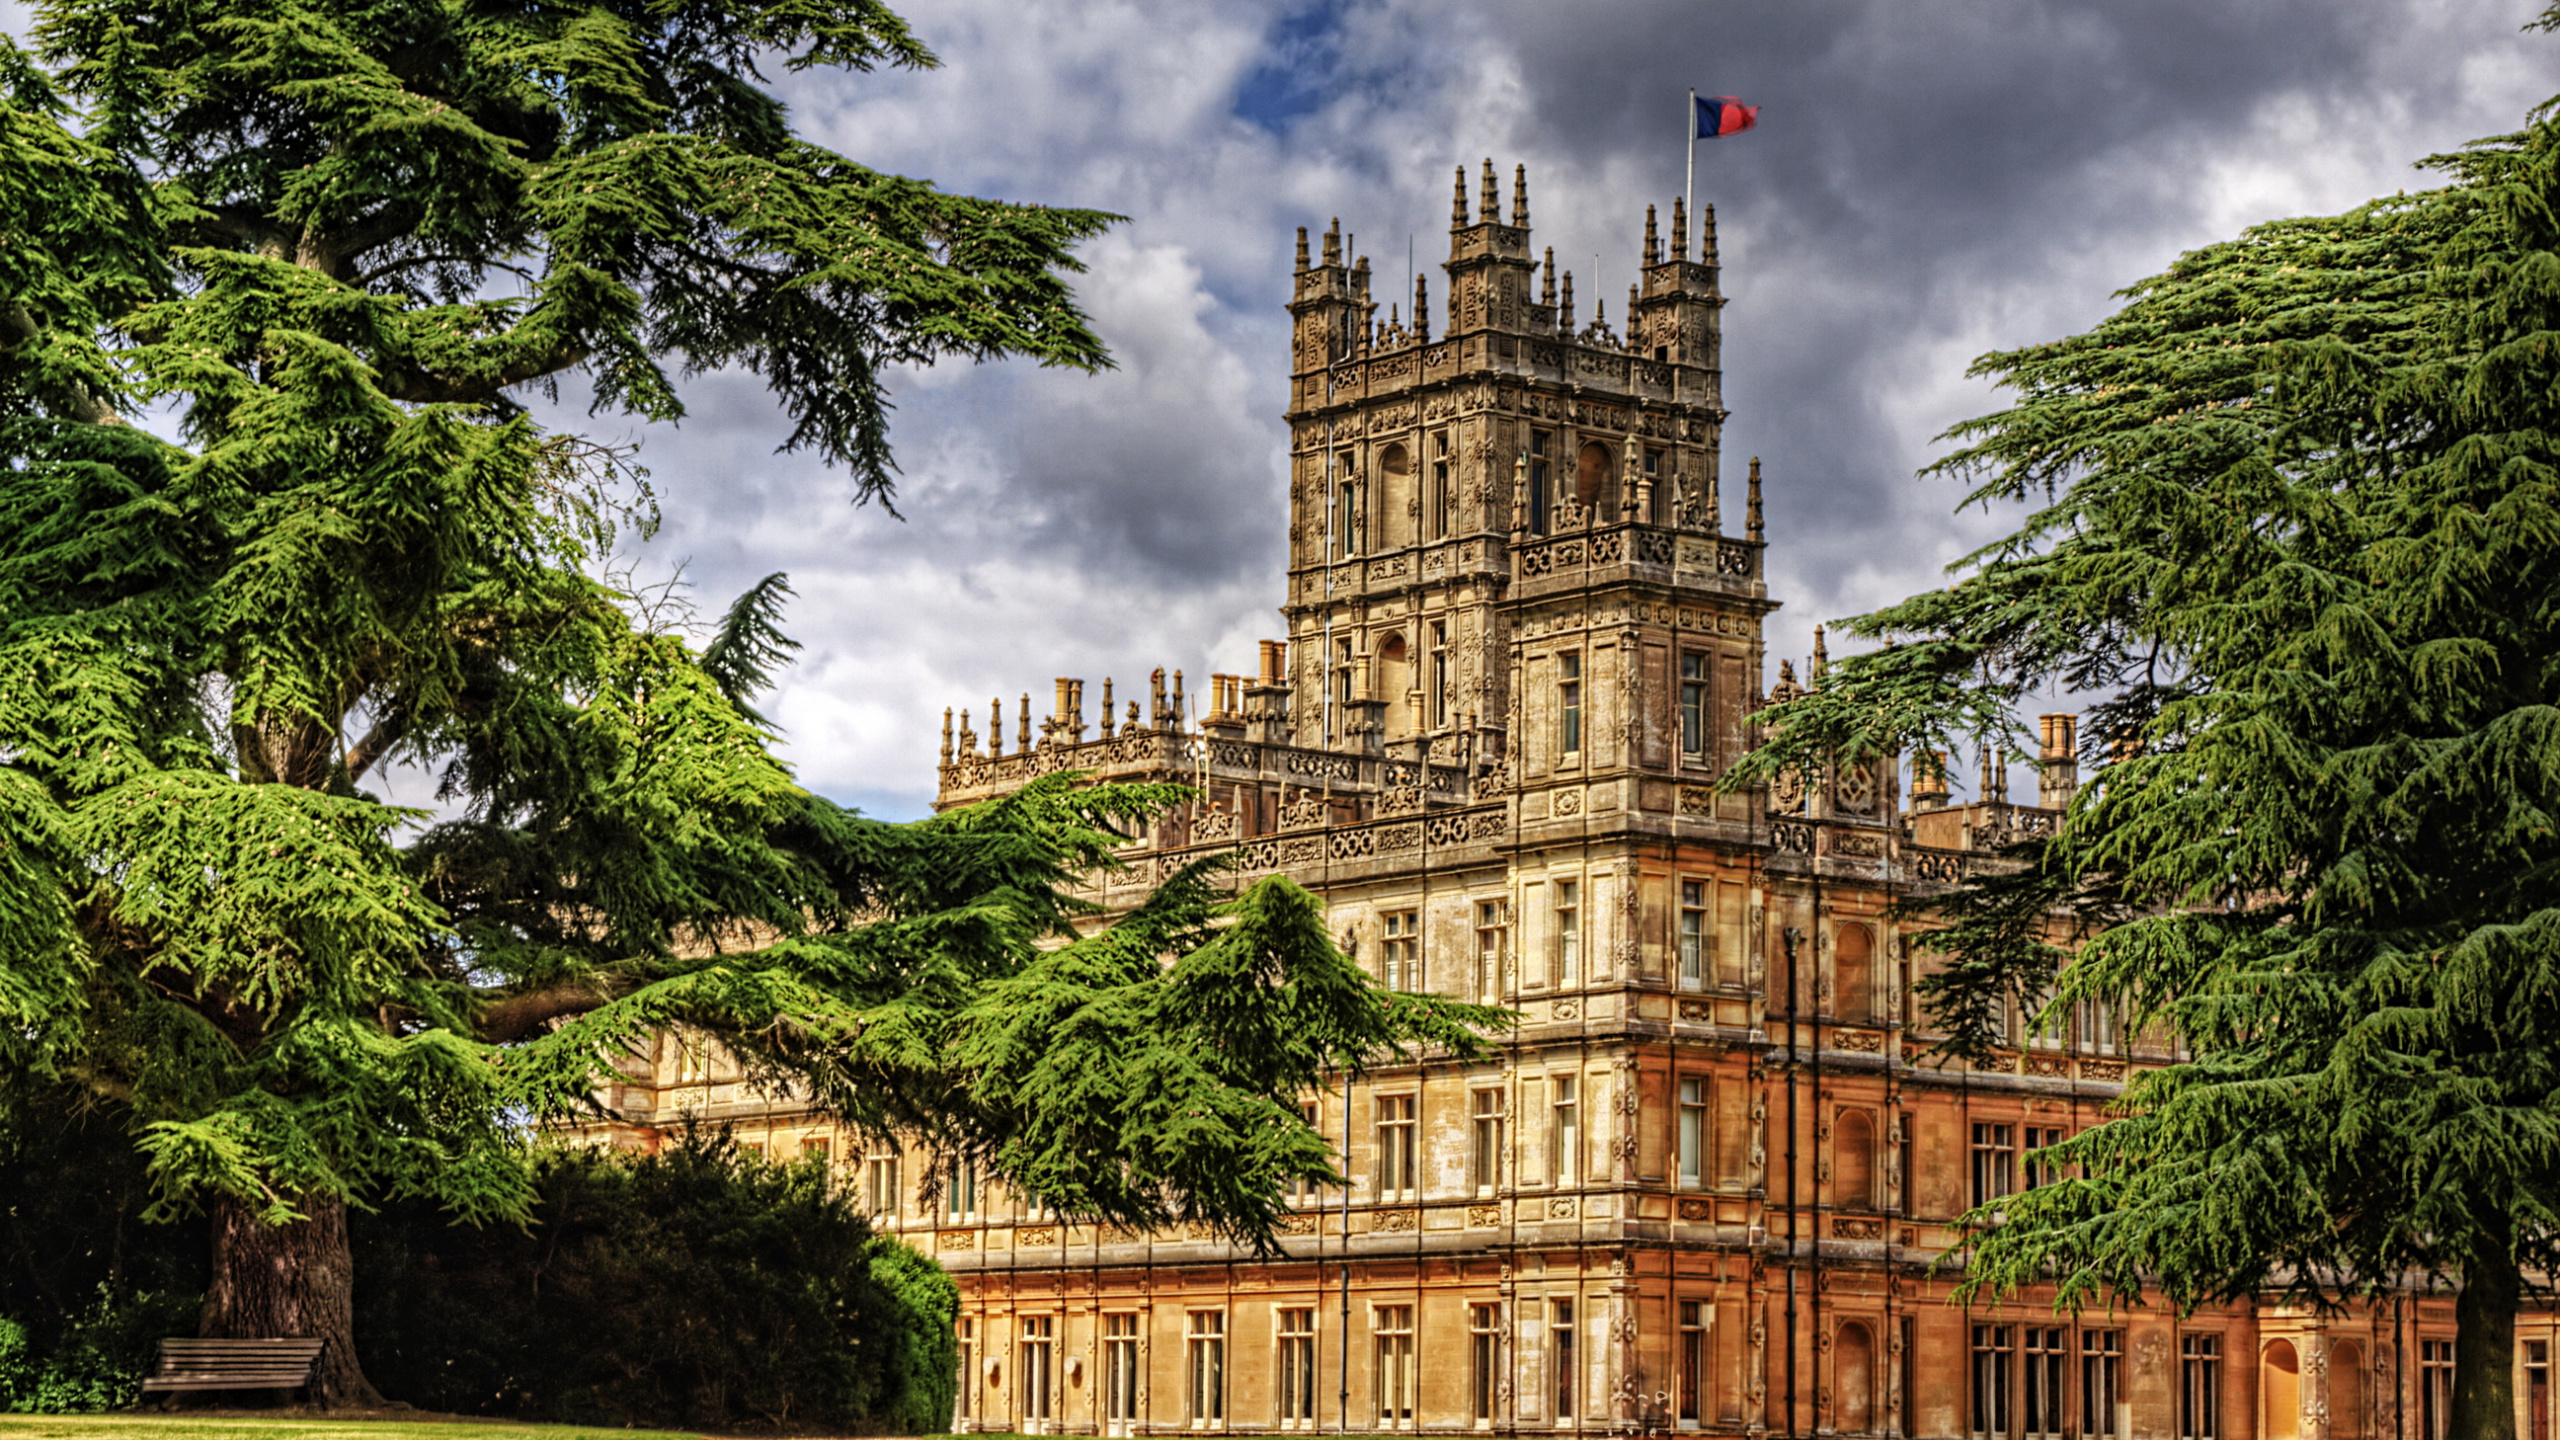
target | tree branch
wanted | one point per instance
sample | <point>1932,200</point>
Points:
<point>74,400</point>
<point>518,1016</point>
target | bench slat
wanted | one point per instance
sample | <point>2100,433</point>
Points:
<point>248,1363</point>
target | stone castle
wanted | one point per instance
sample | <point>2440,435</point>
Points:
<point>1702,1184</point>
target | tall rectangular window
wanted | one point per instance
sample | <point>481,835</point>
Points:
<point>2200,1388</point>
<point>1564,960</point>
<point>2435,1389</point>
<point>1693,1131</point>
<point>1560,1353</point>
<point>1400,958</point>
<point>1484,1157</point>
<point>1693,934</point>
<point>1569,703</point>
<point>1693,707</point>
<point>1399,1164</point>
<point>1207,1353</point>
<point>1539,484</point>
<point>2048,1357</point>
<point>1341,680</point>
<point>1994,1380</point>
<point>1439,674</point>
<point>1119,1371</point>
<point>964,1402</point>
<point>2041,1171</point>
<point>1493,938</point>
<point>1391,1368</point>
<point>960,1193</point>
<point>1995,1156</point>
<point>1039,1342</point>
<point>1484,1362</point>
<point>2101,1381</point>
<point>880,1188</point>
<point>1661,493</point>
<point>2098,1028</point>
<point>1564,1131</point>
<point>1297,1369</point>
<point>1444,505</point>
<point>1692,1379</point>
<point>2537,1390</point>
<point>1302,1191</point>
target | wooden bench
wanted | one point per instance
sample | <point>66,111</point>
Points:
<point>234,1365</point>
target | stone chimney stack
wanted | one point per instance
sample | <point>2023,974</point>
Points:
<point>2058,763</point>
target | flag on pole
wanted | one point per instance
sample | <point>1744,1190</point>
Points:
<point>1722,115</point>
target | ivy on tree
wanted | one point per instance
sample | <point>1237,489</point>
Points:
<point>2294,514</point>
<point>339,244</point>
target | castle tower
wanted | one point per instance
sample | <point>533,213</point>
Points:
<point>1444,492</point>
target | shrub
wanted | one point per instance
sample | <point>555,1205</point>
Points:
<point>698,1286</point>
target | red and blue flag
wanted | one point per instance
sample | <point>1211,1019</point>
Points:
<point>1724,115</point>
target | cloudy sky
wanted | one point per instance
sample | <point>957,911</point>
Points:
<point>1931,179</point>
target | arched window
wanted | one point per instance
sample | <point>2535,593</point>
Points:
<point>2346,1391</point>
<point>1853,1379</point>
<point>2279,1392</point>
<point>1853,973</point>
<point>1395,681</point>
<point>1396,497</point>
<point>1853,1161</point>
<point>1595,481</point>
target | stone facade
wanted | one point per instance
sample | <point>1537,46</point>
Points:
<point>1702,1184</point>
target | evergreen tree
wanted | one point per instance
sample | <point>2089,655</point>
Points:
<point>336,243</point>
<point>2293,518</point>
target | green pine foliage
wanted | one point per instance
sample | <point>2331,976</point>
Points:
<point>331,248</point>
<point>2292,513</point>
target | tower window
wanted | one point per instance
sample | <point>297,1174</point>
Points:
<point>1569,702</point>
<point>1443,504</point>
<point>1693,706</point>
<point>1538,481</point>
<point>1439,674</point>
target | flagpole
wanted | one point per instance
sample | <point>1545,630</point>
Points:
<point>1690,124</point>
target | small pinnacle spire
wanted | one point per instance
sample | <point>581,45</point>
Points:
<point>1421,307</point>
<point>1458,202</point>
<point>1520,196</point>
<point>1751,515</point>
<point>1393,320</point>
<point>1333,242</point>
<point>1022,736</point>
<point>1821,655</point>
<point>1564,316</point>
<point>1631,314</point>
<point>1679,228</point>
<point>995,727</point>
<point>946,734</point>
<point>1652,239</point>
<point>1489,204</point>
<point>1707,234</point>
<point>1302,248</point>
<point>1547,290</point>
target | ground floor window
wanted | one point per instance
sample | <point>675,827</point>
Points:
<point>1208,1356</point>
<point>1391,1372</point>
<point>968,1331</point>
<point>1039,1342</point>
<point>1297,1369</point>
<point>1692,1378</point>
<point>2435,1388</point>
<point>2200,1387</point>
<point>1995,1361</point>
<point>1484,1360</point>
<point>2101,1381</point>
<point>1119,1371</point>
<point>1560,1350</point>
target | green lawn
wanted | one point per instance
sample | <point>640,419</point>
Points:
<point>254,1427</point>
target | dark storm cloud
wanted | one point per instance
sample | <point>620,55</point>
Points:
<point>1931,180</point>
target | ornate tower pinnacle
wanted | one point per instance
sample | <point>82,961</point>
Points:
<point>1751,515</point>
<point>1422,307</point>
<point>1302,249</point>
<point>1679,228</point>
<point>1489,204</point>
<point>1652,239</point>
<point>1520,196</point>
<point>1458,202</point>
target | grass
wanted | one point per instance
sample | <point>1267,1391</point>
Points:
<point>259,1427</point>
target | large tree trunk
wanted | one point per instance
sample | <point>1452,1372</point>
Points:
<point>2484,1351</point>
<point>294,1280</point>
